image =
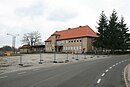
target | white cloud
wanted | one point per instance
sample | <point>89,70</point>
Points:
<point>36,9</point>
<point>48,16</point>
<point>61,15</point>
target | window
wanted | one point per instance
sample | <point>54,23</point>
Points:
<point>57,36</point>
<point>69,41</point>
<point>74,47</point>
<point>64,48</point>
<point>80,40</point>
<point>79,47</point>
<point>77,40</point>
<point>68,48</point>
<point>71,48</point>
<point>72,41</point>
<point>62,42</point>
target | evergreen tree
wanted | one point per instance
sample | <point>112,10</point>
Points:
<point>112,33</point>
<point>124,36</point>
<point>102,27</point>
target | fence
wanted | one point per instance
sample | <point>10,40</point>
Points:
<point>29,61</point>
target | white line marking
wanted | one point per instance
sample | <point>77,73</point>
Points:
<point>116,63</point>
<point>22,73</point>
<point>3,77</point>
<point>113,65</point>
<point>110,67</point>
<point>107,70</point>
<point>103,74</point>
<point>99,80</point>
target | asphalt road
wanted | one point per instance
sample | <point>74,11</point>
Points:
<point>95,73</point>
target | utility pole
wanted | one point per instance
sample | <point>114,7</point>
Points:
<point>13,41</point>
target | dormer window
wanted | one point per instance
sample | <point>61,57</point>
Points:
<point>57,37</point>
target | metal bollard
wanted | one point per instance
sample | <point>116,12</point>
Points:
<point>20,63</point>
<point>54,58</point>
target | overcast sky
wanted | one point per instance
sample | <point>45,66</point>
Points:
<point>48,16</point>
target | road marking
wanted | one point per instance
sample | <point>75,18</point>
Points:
<point>3,77</point>
<point>116,63</point>
<point>99,80</point>
<point>103,74</point>
<point>107,70</point>
<point>113,65</point>
<point>110,67</point>
<point>22,73</point>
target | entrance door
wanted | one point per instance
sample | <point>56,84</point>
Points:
<point>60,48</point>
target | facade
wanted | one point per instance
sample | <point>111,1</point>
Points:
<point>72,40</point>
<point>25,49</point>
<point>32,49</point>
<point>38,49</point>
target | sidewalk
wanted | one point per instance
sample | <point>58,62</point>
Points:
<point>127,75</point>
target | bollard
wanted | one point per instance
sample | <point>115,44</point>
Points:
<point>20,63</point>
<point>54,58</point>
<point>85,56</point>
<point>77,57</point>
<point>67,59</point>
<point>40,62</point>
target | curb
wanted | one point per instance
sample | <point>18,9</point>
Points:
<point>126,75</point>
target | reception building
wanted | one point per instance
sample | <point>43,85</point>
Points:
<point>72,40</point>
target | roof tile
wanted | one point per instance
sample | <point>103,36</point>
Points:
<point>81,31</point>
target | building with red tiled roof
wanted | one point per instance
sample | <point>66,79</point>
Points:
<point>76,40</point>
<point>32,49</point>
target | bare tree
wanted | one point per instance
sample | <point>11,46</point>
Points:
<point>32,38</point>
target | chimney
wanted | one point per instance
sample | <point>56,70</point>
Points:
<point>69,28</point>
<point>80,26</point>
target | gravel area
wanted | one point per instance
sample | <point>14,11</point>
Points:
<point>33,61</point>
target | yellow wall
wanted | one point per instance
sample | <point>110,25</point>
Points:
<point>86,42</point>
